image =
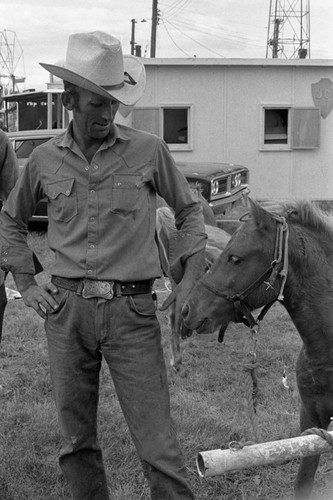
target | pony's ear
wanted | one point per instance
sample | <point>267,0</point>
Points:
<point>262,218</point>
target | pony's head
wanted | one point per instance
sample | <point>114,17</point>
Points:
<point>244,273</point>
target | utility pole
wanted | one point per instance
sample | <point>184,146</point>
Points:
<point>154,24</point>
<point>133,21</point>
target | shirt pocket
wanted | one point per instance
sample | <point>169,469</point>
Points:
<point>128,193</point>
<point>62,199</point>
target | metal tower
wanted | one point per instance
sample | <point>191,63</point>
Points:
<point>288,34</point>
<point>11,62</point>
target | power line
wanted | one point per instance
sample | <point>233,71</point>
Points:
<point>166,29</point>
<point>179,6</point>
<point>218,32</point>
<point>194,40</point>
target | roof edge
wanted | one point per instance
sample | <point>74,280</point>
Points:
<point>216,61</point>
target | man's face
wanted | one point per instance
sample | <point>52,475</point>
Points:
<point>93,115</point>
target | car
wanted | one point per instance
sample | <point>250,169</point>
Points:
<point>221,184</point>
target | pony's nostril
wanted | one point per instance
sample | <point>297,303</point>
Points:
<point>185,310</point>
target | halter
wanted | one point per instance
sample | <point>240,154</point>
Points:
<point>277,269</point>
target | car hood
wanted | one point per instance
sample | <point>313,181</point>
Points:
<point>206,169</point>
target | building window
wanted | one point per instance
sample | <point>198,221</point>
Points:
<point>172,123</point>
<point>288,128</point>
<point>176,126</point>
<point>276,126</point>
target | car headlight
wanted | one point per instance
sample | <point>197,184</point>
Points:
<point>214,187</point>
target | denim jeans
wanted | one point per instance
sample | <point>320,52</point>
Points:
<point>126,332</point>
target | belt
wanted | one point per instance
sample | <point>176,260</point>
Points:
<point>88,288</point>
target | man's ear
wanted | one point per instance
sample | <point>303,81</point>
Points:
<point>67,100</point>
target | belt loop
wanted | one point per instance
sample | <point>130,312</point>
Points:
<point>80,288</point>
<point>117,289</point>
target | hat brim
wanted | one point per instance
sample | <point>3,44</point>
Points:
<point>128,94</point>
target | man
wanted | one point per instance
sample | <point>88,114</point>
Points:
<point>8,177</point>
<point>101,181</point>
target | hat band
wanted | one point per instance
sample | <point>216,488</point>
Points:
<point>130,81</point>
<point>113,87</point>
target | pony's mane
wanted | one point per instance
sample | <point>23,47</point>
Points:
<point>308,214</point>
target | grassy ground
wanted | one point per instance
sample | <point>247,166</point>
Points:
<point>207,404</point>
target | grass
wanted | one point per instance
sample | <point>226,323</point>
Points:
<point>207,404</point>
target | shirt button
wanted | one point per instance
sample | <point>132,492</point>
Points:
<point>68,192</point>
<point>91,246</point>
<point>95,167</point>
<point>89,271</point>
<point>92,191</point>
<point>86,168</point>
<point>92,219</point>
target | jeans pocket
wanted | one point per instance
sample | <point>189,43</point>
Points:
<point>142,304</point>
<point>61,298</point>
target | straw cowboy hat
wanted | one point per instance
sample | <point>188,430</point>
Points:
<point>95,62</point>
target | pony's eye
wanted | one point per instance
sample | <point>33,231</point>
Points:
<point>234,259</point>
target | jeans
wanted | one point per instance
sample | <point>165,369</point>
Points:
<point>126,332</point>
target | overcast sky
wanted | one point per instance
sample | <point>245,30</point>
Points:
<point>187,28</point>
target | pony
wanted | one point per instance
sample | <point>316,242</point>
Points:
<point>286,255</point>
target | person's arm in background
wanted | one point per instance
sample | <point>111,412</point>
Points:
<point>8,167</point>
<point>8,178</point>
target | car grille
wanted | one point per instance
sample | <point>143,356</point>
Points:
<point>222,186</point>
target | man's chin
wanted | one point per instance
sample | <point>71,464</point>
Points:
<point>100,132</point>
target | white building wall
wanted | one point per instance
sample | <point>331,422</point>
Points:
<point>227,99</point>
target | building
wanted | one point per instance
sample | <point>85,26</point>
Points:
<point>273,116</point>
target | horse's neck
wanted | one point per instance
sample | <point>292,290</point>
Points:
<point>309,295</point>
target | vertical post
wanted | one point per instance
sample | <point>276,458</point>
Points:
<point>276,38</point>
<point>133,21</point>
<point>153,29</point>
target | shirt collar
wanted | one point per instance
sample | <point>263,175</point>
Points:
<point>117,133</point>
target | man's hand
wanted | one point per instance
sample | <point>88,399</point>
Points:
<point>178,296</point>
<point>39,297</point>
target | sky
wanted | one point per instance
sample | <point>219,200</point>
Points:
<point>34,31</point>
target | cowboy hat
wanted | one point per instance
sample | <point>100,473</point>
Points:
<point>95,62</point>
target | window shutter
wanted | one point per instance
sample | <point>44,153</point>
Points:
<point>305,128</point>
<point>146,119</point>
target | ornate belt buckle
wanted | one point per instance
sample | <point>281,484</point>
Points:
<point>95,288</point>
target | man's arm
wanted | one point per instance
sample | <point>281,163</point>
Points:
<point>15,255</point>
<point>187,244</point>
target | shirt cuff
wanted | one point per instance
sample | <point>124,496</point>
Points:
<point>19,260</point>
<point>183,245</point>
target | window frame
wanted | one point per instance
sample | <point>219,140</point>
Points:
<point>297,139</point>
<point>275,147</point>
<point>188,146</point>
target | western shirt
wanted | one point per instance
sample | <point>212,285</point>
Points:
<point>102,214</point>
